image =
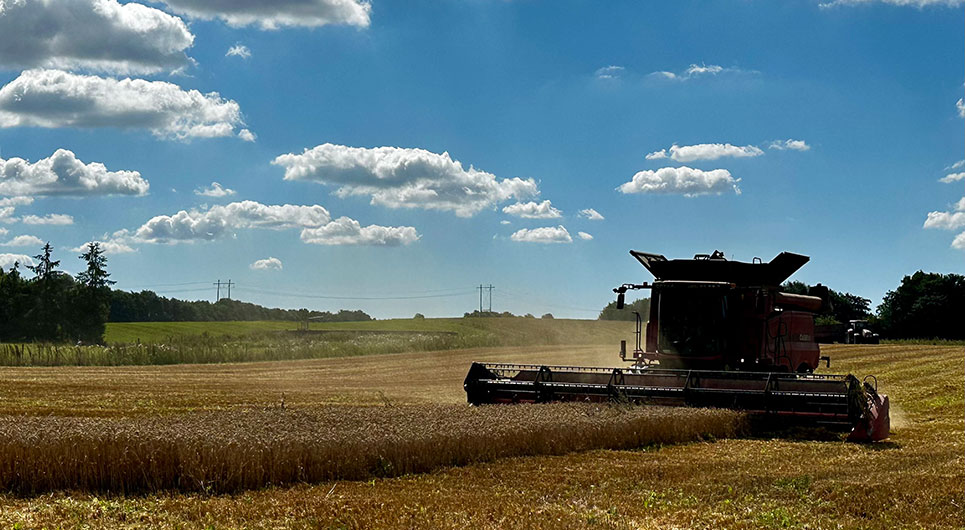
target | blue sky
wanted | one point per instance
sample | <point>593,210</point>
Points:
<point>415,144</point>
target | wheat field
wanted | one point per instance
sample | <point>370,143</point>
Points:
<point>914,480</point>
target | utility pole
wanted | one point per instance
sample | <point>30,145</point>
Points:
<point>219,283</point>
<point>490,297</point>
<point>480,296</point>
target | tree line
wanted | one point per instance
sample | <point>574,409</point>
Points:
<point>926,305</point>
<point>51,305</point>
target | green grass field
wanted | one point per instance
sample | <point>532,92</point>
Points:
<point>162,343</point>
<point>508,330</point>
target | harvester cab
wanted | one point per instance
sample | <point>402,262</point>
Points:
<point>709,313</point>
<point>720,333</point>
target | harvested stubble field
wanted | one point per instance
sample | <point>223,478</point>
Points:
<point>914,481</point>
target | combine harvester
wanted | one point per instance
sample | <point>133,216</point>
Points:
<point>720,334</point>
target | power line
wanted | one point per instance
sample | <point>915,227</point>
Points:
<point>331,297</point>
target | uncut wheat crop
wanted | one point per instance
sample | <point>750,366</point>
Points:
<point>222,451</point>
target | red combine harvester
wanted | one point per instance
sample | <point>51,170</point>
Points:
<point>720,334</point>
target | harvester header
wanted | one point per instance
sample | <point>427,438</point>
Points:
<point>720,333</point>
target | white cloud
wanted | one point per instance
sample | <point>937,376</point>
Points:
<point>591,214</point>
<point>53,99</point>
<point>952,220</point>
<point>695,71</point>
<point>584,236</point>
<point>6,214</point>
<point>912,3</point>
<point>682,180</point>
<point>398,177</point>
<point>247,135</point>
<point>546,234</point>
<point>7,261</point>
<point>109,247</point>
<point>794,145</point>
<point>267,264</point>
<point>960,105</point>
<point>214,190</point>
<point>657,155</point>
<point>533,210</point>
<point>16,201</point>
<point>99,35</point>
<point>505,222</point>
<point>345,231</point>
<point>609,72</point>
<point>959,241</point>
<point>63,174</point>
<point>49,219</point>
<point>956,165</point>
<point>277,13</point>
<point>690,153</point>
<point>24,241</point>
<point>3,231</point>
<point>239,50</point>
<point>704,69</point>
<point>952,177</point>
<point>220,221</point>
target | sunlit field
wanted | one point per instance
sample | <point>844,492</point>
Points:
<point>387,440</point>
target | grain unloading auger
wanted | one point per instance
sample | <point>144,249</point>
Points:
<point>720,334</point>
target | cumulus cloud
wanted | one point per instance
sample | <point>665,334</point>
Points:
<point>277,13</point>
<point>24,241</point>
<point>533,210</point>
<point>267,264</point>
<point>912,3</point>
<point>214,190</point>
<point>64,174</point>
<point>16,201</point>
<point>959,241</point>
<point>505,222</point>
<point>657,155</point>
<point>3,231</point>
<point>591,214</point>
<point>54,98</point>
<point>238,50</point>
<point>221,221</point>
<point>951,220</point>
<point>683,180</point>
<point>793,145</point>
<point>547,234</point>
<point>609,72</point>
<point>960,105</point>
<point>952,177</point>
<point>7,261</point>
<point>584,236</point>
<point>6,214</point>
<point>109,247</point>
<point>98,35</point>
<point>956,165</point>
<point>49,219</point>
<point>345,231</point>
<point>690,153</point>
<point>398,177</point>
<point>695,71</point>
